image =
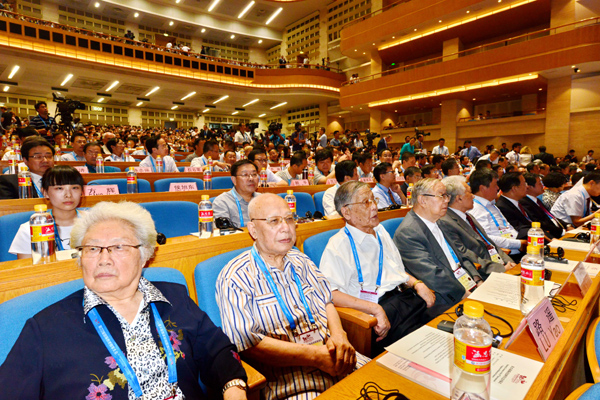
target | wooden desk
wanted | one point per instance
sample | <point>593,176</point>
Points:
<point>560,375</point>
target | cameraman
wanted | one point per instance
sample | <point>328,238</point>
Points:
<point>276,137</point>
<point>298,137</point>
<point>43,123</point>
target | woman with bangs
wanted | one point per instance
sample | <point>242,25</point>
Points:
<point>62,185</point>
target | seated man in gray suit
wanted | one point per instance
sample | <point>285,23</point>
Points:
<point>428,254</point>
<point>465,233</point>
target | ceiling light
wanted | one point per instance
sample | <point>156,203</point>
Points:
<point>152,91</point>
<point>260,41</point>
<point>540,89</point>
<point>415,29</point>
<point>171,23</point>
<point>232,37</point>
<point>203,30</point>
<point>67,79</point>
<point>112,86</point>
<point>139,104</point>
<point>177,1</point>
<point>251,102</point>
<point>136,15</point>
<point>261,115</point>
<point>14,71</point>
<point>279,105</point>
<point>440,21</point>
<point>248,7</point>
<point>221,99</point>
<point>373,44</point>
<point>6,88</point>
<point>572,66</point>
<point>206,110</point>
<point>272,17</point>
<point>96,4</point>
<point>166,34</point>
<point>187,96</point>
<point>393,37</point>
<point>101,99</point>
<point>235,113</point>
<point>468,11</point>
<point>213,5</point>
<point>174,107</point>
<point>474,99</point>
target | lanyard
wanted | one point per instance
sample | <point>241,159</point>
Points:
<point>585,206</point>
<point>57,238</point>
<point>357,260</point>
<point>273,287</point>
<point>120,358</point>
<point>241,215</point>
<point>454,256</point>
<point>492,215</point>
<point>154,165</point>
<point>39,193</point>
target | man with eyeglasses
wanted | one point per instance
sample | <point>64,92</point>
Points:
<point>78,140</point>
<point>428,254</point>
<point>38,156</point>
<point>91,151</point>
<point>365,270</point>
<point>259,157</point>
<point>387,191</point>
<point>276,307</point>
<point>117,149</point>
<point>158,147</point>
<point>234,203</point>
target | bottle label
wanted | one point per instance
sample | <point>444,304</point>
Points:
<point>11,162</point>
<point>131,180</point>
<point>472,359</point>
<point>594,229</point>
<point>205,215</point>
<point>24,181</point>
<point>532,276</point>
<point>292,206</point>
<point>207,178</point>
<point>537,241</point>
<point>42,233</point>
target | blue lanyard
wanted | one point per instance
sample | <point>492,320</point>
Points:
<point>357,260</point>
<point>57,238</point>
<point>456,260</point>
<point>154,165</point>
<point>585,209</point>
<point>387,193</point>
<point>241,215</point>
<point>483,237</point>
<point>273,287</point>
<point>492,215</point>
<point>120,358</point>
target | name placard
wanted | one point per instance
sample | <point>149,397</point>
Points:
<point>275,169</point>
<point>193,169</point>
<point>366,180</point>
<point>400,178</point>
<point>299,182</point>
<point>100,190</point>
<point>142,169</point>
<point>82,169</point>
<point>331,181</point>
<point>182,186</point>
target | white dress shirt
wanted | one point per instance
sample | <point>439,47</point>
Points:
<point>439,237</point>
<point>513,157</point>
<point>71,156</point>
<point>168,164</point>
<point>328,204</point>
<point>483,214</point>
<point>571,202</point>
<point>443,150</point>
<point>381,192</point>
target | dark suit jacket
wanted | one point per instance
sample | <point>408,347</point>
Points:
<point>9,187</point>
<point>537,214</point>
<point>514,216</point>
<point>425,260</point>
<point>546,158</point>
<point>404,188</point>
<point>381,145</point>
<point>468,242</point>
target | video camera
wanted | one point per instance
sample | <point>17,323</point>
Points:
<point>65,109</point>
<point>275,126</point>
<point>418,132</point>
<point>370,137</point>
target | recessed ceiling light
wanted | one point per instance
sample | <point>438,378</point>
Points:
<point>152,91</point>
<point>355,50</point>
<point>171,23</point>
<point>540,89</point>
<point>101,99</point>
<point>136,15</point>
<point>139,104</point>
<point>364,53</point>
<point>440,21</point>
<point>393,37</point>
<point>213,5</point>
<point>96,4</point>
<point>235,113</point>
<point>13,72</point>
<point>468,11</point>
<point>259,41</point>
<point>373,44</point>
<point>177,1</point>
<point>415,29</point>
<point>174,107</point>
<point>245,10</point>
<point>499,1</point>
<point>279,105</point>
<point>395,110</point>
<point>275,14</point>
<point>474,99</point>
<point>203,30</point>
<point>112,86</point>
<point>206,110</point>
<point>187,96</point>
<point>261,115</point>
<point>251,102</point>
<point>6,88</point>
<point>572,66</point>
<point>221,99</point>
<point>232,37</point>
<point>67,79</point>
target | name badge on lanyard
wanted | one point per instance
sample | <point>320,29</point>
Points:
<point>311,337</point>
<point>494,255</point>
<point>371,296</point>
<point>368,296</point>
<point>464,278</point>
<point>506,232</point>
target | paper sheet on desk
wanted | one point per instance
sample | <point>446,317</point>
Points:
<point>205,234</point>
<point>568,245</point>
<point>503,290</point>
<point>432,349</point>
<point>592,269</point>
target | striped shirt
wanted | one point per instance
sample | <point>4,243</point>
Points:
<point>250,312</point>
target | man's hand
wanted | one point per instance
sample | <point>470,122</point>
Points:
<point>342,353</point>
<point>234,393</point>
<point>383,324</point>
<point>426,294</point>
<point>509,266</point>
<point>523,247</point>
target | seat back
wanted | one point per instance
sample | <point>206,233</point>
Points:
<point>15,312</point>
<point>205,278</point>
<point>593,348</point>
<point>314,246</point>
<point>143,184</point>
<point>304,203</point>
<point>10,224</point>
<point>222,182</point>
<point>392,224</point>
<point>108,169</point>
<point>173,218</point>
<point>319,202</point>
<point>163,185</point>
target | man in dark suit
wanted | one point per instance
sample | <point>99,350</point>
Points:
<point>546,158</point>
<point>513,189</point>
<point>466,234</point>
<point>428,254</point>
<point>383,143</point>
<point>553,227</point>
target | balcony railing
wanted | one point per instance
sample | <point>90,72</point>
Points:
<point>479,49</point>
<point>376,12</point>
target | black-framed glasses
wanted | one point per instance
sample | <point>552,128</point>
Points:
<point>366,203</point>
<point>277,220</point>
<point>115,249</point>
<point>445,196</point>
<point>248,176</point>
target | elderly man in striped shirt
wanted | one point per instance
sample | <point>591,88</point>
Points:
<point>277,308</point>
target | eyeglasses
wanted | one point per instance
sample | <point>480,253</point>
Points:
<point>115,249</point>
<point>39,157</point>
<point>444,196</point>
<point>260,159</point>
<point>248,176</point>
<point>275,221</point>
<point>387,172</point>
<point>366,203</point>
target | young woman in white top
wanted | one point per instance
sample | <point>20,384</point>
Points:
<point>62,185</point>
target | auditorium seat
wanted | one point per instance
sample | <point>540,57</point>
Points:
<point>108,169</point>
<point>304,202</point>
<point>143,184</point>
<point>162,185</point>
<point>10,225</point>
<point>222,182</point>
<point>173,218</point>
<point>391,225</point>
<point>587,391</point>
<point>593,348</point>
<point>318,197</point>
<point>314,246</point>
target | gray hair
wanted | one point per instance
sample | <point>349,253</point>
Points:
<point>424,186</point>
<point>455,186</point>
<point>346,192</point>
<point>131,214</point>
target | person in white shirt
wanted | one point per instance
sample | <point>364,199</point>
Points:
<point>573,206</point>
<point>589,157</point>
<point>358,143</point>
<point>210,149</point>
<point>322,138</point>
<point>441,149</point>
<point>365,270</point>
<point>298,162</point>
<point>259,158</point>
<point>105,138</point>
<point>492,157</point>
<point>387,192</point>
<point>242,136</point>
<point>345,171</point>
<point>78,140</point>
<point>514,156</point>
<point>365,165</point>
<point>117,148</point>
<point>158,148</point>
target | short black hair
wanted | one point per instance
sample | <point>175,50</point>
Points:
<point>197,141</point>
<point>252,155</point>
<point>297,158</point>
<point>509,181</point>
<point>323,155</point>
<point>152,143</point>
<point>90,144</point>
<point>516,144</point>
<point>542,149</point>
<point>407,155</point>
<point>111,143</point>
<point>481,177</point>
<point>483,164</point>
<point>591,167</point>
<point>363,157</point>
<point>75,135</point>
<point>34,141</point>
<point>576,177</point>
<point>437,158</point>
<point>344,169</point>
<point>447,165</point>
<point>39,103</point>
<point>239,164</point>
<point>61,175</point>
<point>426,170</point>
<point>380,169</point>
<point>25,132</point>
<point>530,166</point>
<point>531,179</point>
<point>209,145</point>
<point>411,171</point>
<point>592,176</point>
<point>563,164</point>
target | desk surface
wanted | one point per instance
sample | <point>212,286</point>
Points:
<point>554,381</point>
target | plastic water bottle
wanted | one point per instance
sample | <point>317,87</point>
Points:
<point>263,177</point>
<point>205,217</point>
<point>209,162</point>
<point>25,188</point>
<point>305,173</point>
<point>17,150</point>
<point>126,155</point>
<point>159,164</point>
<point>281,161</point>
<point>535,237</point>
<point>595,234</point>
<point>290,199</point>
<point>42,235</point>
<point>132,183</point>
<point>12,163</point>
<point>99,164</point>
<point>532,279</point>
<point>311,175</point>
<point>409,191</point>
<point>57,153</point>
<point>207,178</point>
<point>472,355</point>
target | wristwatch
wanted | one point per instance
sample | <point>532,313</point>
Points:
<point>235,382</point>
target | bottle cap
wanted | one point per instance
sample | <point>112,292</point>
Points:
<point>473,309</point>
<point>204,197</point>
<point>23,168</point>
<point>263,169</point>
<point>411,184</point>
<point>597,215</point>
<point>535,225</point>
<point>532,250</point>
<point>40,207</point>
<point>290,192</point>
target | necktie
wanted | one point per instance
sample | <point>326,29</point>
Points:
<point>470,220</point>
<point>549,214</point>
<point>392,196</point>
<point>523,211</point>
